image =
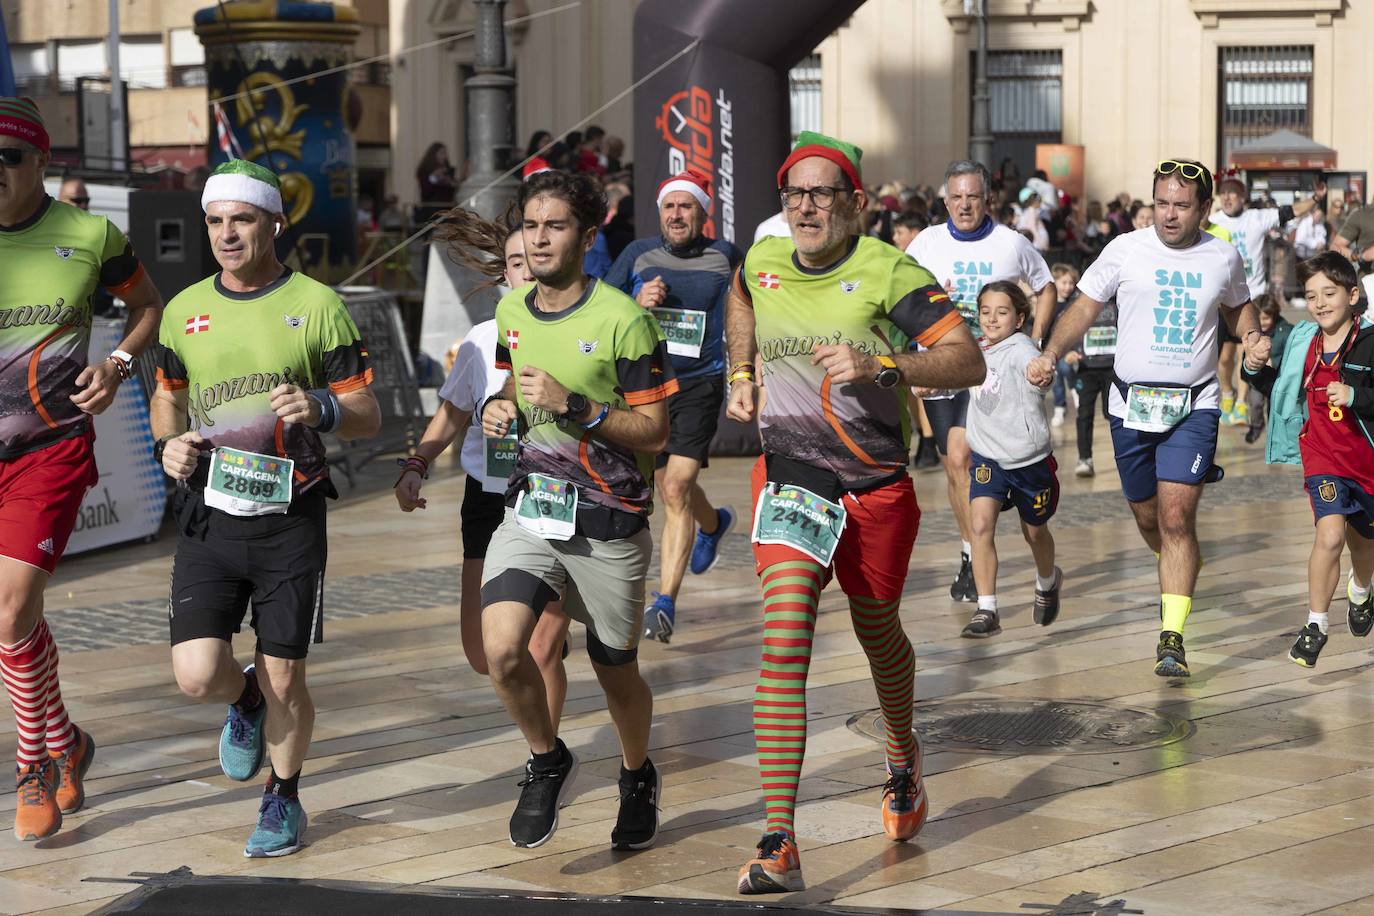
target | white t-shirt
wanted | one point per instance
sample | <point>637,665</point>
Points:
<point>1248,232</point>
<point>1031,221</point>
<point>966,267</point>
<point>473,379</point>
<point>1168,302</point>
<point>775,225</point>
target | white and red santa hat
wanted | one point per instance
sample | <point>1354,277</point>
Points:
<point>691,181</point>
<point>536,165</point>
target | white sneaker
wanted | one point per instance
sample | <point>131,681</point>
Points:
<point>1084,468</point>
<point>1058,420</point>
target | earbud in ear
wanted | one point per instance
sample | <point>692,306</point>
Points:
<point>276,229</point>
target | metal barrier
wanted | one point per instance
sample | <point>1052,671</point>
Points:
<point>378,318</point>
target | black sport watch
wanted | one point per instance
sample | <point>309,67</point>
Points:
<point>159,447</point>
<point>889,376</point>
<point>577,406</point>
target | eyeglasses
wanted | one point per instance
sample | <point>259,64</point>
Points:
<point>822,197</point>
<point>12,156</point>
<point>1189,170</point>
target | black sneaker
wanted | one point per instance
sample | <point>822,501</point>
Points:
<point>1170,660</point>
<point>1360,616</point>
<point>1047,603</point>
<point>983,625</point>
<point>963,589</point>
<point>1309,645</point>
<point>536,815</point>
<point>636,827</point>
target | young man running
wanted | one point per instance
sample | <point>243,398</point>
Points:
<point>965,254</point>
<point>1173,286</point>
<point>834,316</point>
<point>588,398</point>
<point>682,277</point>
<point>53,256</point>
<point>254,363</point>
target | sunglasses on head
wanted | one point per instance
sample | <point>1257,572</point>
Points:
<point>12,155</point>
<point>1188,170</point>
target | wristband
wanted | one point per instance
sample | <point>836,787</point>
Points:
<point>125,360</point>
<point>414,463</point>
<point>1350,397</point>
<point>123,369</point>
<point>600,418</point>
<point>741,373</point>
<point>331,415</point>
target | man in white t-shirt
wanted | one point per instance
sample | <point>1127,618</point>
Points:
<point>1249,228</point>
<point>1173,285</point>
<point>965,254</point>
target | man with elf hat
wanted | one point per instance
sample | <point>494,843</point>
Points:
<point>254,363</point>
<point>52,258</point>
<point>834,316</point>
<point>683,277</point>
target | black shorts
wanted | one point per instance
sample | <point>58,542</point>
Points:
<point>1224,335</point>
<point>944,414</point>
<point>274,562</point>
<point>693,414</point>
<point>482,513</point>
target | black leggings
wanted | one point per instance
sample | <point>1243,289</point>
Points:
<point>1092,383</point>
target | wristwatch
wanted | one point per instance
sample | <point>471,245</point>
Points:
<point>889,376</point>
<point>160,446</point>
<point>577,406</point>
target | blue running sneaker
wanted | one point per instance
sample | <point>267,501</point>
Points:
<point>281,827</point>
<point>706,549</point>
<point>241,744</point>
<point>658,618</point>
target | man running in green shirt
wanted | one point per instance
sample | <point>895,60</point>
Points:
<point>591,376</point>
<point>53,257</point>
<point>834,317</point>
<point>254,363</point>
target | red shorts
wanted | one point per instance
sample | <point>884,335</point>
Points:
<point>875,549</point>
<point>40,496</point>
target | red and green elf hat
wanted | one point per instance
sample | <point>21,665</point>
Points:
<point>810,143</point>
<point>19,117</point>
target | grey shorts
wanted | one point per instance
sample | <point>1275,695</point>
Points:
<point>601,583</point>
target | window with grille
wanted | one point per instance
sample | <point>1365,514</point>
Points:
<point>1262,89</point>
<point>1026,91</point>
<point>804,82</point>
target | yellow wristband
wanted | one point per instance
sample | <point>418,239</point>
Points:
<point>741,375</point>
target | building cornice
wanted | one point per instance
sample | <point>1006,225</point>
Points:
<point>1070,13</point>
<point>1211,12</point>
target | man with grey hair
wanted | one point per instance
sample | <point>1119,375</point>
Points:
<point>965,254</point>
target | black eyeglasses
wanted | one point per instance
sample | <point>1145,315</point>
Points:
<point>823,197</point>
<point>12,155</point>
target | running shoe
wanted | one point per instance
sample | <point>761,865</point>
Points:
<point>636,826</point>
<point>775,870</point>
<point>71,791</point>
<point>706,548</point>
<point>241,742</point>
<point>1084,468</point>
<point>36,815</point>
<point>1360,617</point>
<point>1170,660</point>
<point>904,804</point>
<point>963,589</point>
<point>1240,415</point>
<point>1058,419</point>
<point>1047,603</point>
<point>280,830</point>
<point>982,625</point>
<point>536,814</point>
<point>1309,646</point>
<point>659,618</point>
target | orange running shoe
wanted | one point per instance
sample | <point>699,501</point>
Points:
<point>776,869</point>
<point>904,804</point>
<point>36,815</point>
<point>71,792</point>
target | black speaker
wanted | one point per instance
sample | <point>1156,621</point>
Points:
<point>167,229</point>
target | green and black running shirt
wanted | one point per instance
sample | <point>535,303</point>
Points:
<point>229,350</point>
<point>875,299</point>
<point>50,265</point>
<point>606,348</point>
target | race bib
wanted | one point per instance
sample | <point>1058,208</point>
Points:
<point>684,330</point>
<point>1156,410</point>
<point>501,452</point>
<point>1099,342</point>
<point>798,518</point>
<point>248,484</point>
<point>547,507</point>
